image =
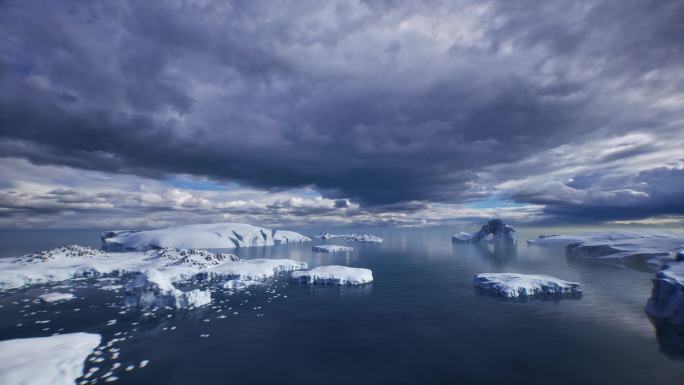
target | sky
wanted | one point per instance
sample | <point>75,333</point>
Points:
<point>133,114</point>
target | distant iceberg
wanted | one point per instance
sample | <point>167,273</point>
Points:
<point>205,236</point>
<point>334,275</point>
<point>332,248</point>
<point>57,359</point>
<point>501,233</point>
<point>513,285</point>
<point>369,238</point>
<point>644,249</point>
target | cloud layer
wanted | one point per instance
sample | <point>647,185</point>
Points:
<point>364,110</point>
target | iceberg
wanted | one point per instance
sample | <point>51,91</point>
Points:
<point>54,297</point>
<point>332,249</point>
<point>151,289</point>
<point>149,273</point>
<point>334,275</point>
<point>666,303</point>
<point>207,236</point>
<point>513,285</point>
<point>500,231</point>
<point>649,249</point>
<point>370,238</point>
<point>45,360</point>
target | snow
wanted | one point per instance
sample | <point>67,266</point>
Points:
<point>500,232</point>
<point>514,285</point>
<point>643,248</point>
<point>151,288</point>
<point>45,360</point>
<point>54,297</point>
<point>332,248</point>
<point>172,266</point>
<point>334,275</point>
<point>209,236</point>
<point>667,298</point>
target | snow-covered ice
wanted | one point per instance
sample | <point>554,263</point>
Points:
<point>667,297</point>
<point>334,275</point>
<point>45,360</point>
<point>500,232</point>
<point>332,248</point>
<point>54,297</point>
<point>151,288</point>
<point>645,248</point>
<point>207,236</point>
<point>172,266</point>
<point>514,285</point>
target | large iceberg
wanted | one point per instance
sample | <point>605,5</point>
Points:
<point>206,236</point>
<point>513,285</point>
<point>667,298</point>
<point>637,248</point>
<point>332,249</point>
<point>170,266</point>
<point>51,360</point>
<point>500,231</point>
<point>151,288</point>
<point>334,275</point>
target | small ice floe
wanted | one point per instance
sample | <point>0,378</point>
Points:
<point>332,249</point>
<point>143,363</point>
<point>54,297</point>
<point>371,238</point>
<point>111,322</point>
<point>45,360</point>
<point>334,275</point>
<point>111,287</point>
<point>513,285</point>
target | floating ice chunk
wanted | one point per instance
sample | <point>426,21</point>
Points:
<point>335,275</point>
<point>45,360</point>
<point>332,248</point>
<point>54,297</point>
<point>667,298</point>
<point>500,232</point>
<point>522,285</point>
<point>646,249</point>
<point>151,288</point>
<point>211,236</point>
<point>461,237</point>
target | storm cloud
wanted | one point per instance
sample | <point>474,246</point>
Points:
<point>380,107</point>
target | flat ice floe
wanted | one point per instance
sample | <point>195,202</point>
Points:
<point>205,236</point>
<point>54,297</point>
<point>170,266</point>
<point>667,298</point>
<point>332,248</point>
<point>45,360</point>
<point>334,275</point>
<point>640,248</point>
<point>513,285</point>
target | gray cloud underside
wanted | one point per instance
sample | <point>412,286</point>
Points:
<point>390,104</point>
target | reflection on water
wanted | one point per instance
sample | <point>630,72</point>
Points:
<point>420,322</point>
<point>670,338</point>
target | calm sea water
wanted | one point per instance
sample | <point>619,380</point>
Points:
<point>420,322</point>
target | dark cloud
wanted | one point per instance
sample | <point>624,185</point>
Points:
<point>390,104</point>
